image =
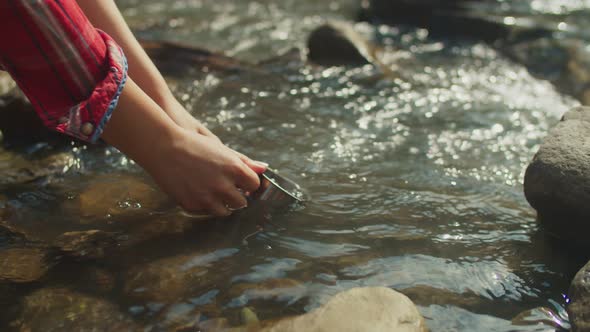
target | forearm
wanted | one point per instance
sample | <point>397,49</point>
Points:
<point>105,15</point>
<point>138,126</point>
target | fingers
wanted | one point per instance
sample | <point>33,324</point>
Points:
<point>257,166</point>
<point>247,180</point>
<point>234,200</point>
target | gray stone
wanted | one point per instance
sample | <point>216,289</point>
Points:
<point>371,309</point>
<point>579,293</point>
<point>557,181</point>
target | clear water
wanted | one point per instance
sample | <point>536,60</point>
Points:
<point>416,182</point>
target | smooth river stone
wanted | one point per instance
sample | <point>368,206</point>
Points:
<point>370,309</point>
<point>579,307</point>
<point>171,279</point>
<point>557,181</point>
<point>60,309</point>
<point>118,195</point>
<point>22,264</point>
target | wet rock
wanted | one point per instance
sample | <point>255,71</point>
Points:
<point>271,288</point>
<point>215,324</point>
<point>117,195</point>
<point>562,61</point>
<point>369,309</point>
<point>540,316</point>
<point>86,244</point>
<point>22,264</point>
<point>248,316</point>
<point>336,44</point>
<point>169,279</point>
<point>579,307</point>
<point>557,181</point>
<point>59,309</point>
<point>16,169</point>
<point>99,279</point>
<point>179,317</point>
<point>427,295</point>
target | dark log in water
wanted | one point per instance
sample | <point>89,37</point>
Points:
<point>175,58</point>
<point>446,19</point>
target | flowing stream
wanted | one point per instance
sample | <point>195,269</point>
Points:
<point>415,182</point>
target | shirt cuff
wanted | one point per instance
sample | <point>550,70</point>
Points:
<point>86,120</point>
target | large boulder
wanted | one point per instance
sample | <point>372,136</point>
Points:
<point>579,308</point>
<point>557,181</point>
<point>371,309</point>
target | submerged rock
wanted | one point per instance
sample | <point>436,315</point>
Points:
<point>540,316</point>
<point>169,279</point>
<point>579,307</point>
<point>86,244</point>
<point>557,181</point>
<point>16,169</point>
<point>369,309</point>
<point>114,195</point>
<point>22,264</point>
<point>59,309</point>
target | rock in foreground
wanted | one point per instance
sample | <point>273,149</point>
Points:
<point>579,308</point>
<point>59,309</point>
<point>557,182</point>
<point>372,309</point>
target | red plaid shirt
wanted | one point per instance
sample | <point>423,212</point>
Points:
<point>71,72</point>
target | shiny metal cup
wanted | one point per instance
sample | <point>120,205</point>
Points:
<point>278,190</point>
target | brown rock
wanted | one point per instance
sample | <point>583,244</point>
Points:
<point>117,195</point>
<point>86,244</point>
<point>169,279</point>
<point>22,264</point>
<point>59,309</point>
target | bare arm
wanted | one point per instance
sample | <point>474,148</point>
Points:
<point>198,171</point>
<point>105,15</point>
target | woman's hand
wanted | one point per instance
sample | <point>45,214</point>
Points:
<point>202,174</point>
<point>197,171</point>
<point>184,119</point>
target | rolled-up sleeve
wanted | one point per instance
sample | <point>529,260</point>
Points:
<point>71,72</point>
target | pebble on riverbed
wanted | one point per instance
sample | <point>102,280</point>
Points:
<point>579,307</point>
